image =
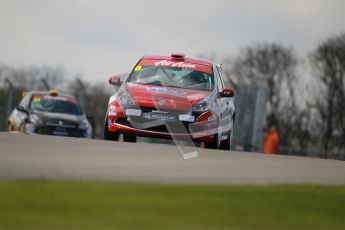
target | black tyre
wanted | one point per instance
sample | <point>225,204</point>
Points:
<point>129,138</point>
<point>11,127</point>
<point>213,144</point>
<point>110,136</point>
<point>226,144</point>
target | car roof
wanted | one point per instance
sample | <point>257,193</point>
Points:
<point>198,61</point>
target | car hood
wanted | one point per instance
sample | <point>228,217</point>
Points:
<point>167,98</point>
<point>60,116</point>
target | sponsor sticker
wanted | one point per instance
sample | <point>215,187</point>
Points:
<point>138,68</point>
<point>224,137</point>
<point>166,90</point>
<point>161,102</point>
<point>158,116</point>
<point>48,97</point>
<point>176,64</point>
<point>60,132</point>
<point>39,98</point>
<point>112,113</point>
<point>133,112</point>
<point>184,117</point>
<point>36,99</point>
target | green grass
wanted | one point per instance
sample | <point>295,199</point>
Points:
<point>101,205</point>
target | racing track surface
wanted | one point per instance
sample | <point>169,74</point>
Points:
<point>34,156</point>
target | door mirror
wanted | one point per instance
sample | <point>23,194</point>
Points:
<point>89,116</point>
<point>22,109</point>
<point>227,92</point>
<point>114,80</point>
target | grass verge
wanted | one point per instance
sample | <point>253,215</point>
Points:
<point>101,205</point>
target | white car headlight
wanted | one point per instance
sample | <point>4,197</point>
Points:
<point>202,106</point>
<point>35,119</point>
<point>124,98</point>
<point>84,124</point>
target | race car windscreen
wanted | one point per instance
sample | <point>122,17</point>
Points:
<point>55,105</point>
<point>172,77</point>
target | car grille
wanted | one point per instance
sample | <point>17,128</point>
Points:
<point>61,123</point>
<point>174,125</point>
<point>159,128</point>
<point>60,127</point>
<point>55,131</point>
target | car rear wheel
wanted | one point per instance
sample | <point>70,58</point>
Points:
<point>110,136</point>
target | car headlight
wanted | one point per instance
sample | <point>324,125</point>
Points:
<point>33,118</point>
<point>202,106</point>
<point>124,98</point>
<point>84,124</point>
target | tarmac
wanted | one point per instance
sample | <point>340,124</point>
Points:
<point>24,156</point>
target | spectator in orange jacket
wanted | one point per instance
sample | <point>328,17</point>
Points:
<point>271,141</point>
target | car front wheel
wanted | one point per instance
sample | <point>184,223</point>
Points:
<point>110,136</point>
<point>226,144</point>
<point>213,144</point>
<point>129,138</point>
<point>11,127</point>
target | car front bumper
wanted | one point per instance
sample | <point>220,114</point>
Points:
<point>56,130</point>
<point>202,135</point>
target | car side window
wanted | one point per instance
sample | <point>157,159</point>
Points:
<point>25,101</point>
<point>226,81</point>
<point>220,84</point>
<point>221,76</point>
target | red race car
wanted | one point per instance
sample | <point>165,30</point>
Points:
<point>172,97</point>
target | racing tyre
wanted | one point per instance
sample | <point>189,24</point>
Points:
<point>110,136</point>
<point>226,144</point>
<point>129,138</point>
<point>212,145</point>
<point>11,127</point>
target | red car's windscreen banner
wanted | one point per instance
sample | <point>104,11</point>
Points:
<point>179,64</point>
<point>39,97</point>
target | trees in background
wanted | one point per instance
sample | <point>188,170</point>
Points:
<point>34,78</point>
<point>94,98</point>
<point>328,61</point>
<point>308,118</point>
<point>274,67</point>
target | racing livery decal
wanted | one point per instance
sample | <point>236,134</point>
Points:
<point>166,90</point>
<point>175,64</point>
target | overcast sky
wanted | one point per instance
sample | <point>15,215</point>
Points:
<point>98,37</point>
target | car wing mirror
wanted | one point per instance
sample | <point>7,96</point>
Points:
<point>227,92</point>
<point>22,109</point>
<point>115,80</point>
